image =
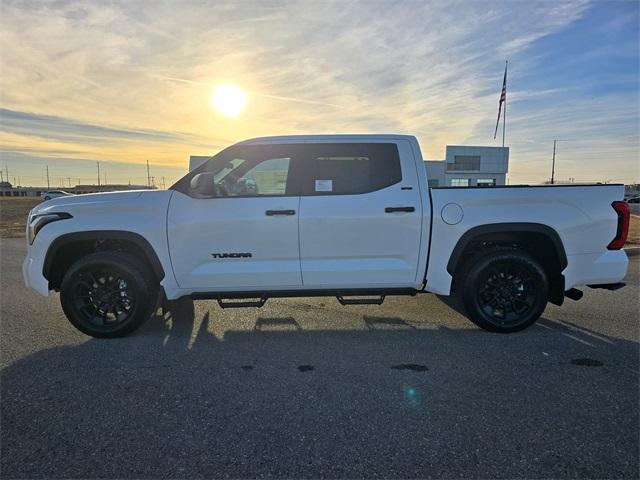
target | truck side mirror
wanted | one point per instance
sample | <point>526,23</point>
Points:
<point>203,185</point>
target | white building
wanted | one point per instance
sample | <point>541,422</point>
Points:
<point>469,167</point>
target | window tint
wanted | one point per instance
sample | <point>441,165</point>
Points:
<point>350,168</point>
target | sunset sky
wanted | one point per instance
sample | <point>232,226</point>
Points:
<point>126,82</point>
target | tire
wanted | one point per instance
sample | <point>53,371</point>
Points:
<point>503,290</point>
<point>47,198</point>
<point>108,294</point>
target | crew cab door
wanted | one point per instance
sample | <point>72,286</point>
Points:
<point>360,216</point>
<point>242,234</point>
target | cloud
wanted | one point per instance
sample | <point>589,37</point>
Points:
<point>133,77</point>
<point>59,128</point>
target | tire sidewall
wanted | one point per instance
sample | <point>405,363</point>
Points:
<point>135,277</point>
<point>471,289</point>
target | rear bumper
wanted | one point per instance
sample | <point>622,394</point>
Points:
<point>608,267</point>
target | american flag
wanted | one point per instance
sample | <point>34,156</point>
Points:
<point>503,99</point>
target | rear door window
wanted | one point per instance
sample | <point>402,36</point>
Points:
<point>349,168</point>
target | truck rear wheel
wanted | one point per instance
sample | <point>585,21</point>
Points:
<point>108,294</point>
<point>503,289</point>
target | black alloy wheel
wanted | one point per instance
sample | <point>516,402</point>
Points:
<point>504,290</point>
<point>107,294</point>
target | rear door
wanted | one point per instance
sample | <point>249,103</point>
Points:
<point>360,216</point>
<point>246,237</point>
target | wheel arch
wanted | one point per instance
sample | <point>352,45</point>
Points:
<point>67,248</point>
<point>541,241</point>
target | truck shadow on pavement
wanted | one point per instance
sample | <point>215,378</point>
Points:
<point>183,399</point>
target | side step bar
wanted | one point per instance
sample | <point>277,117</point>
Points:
<point>361,301</point>
<point>225,303</point>
<point>375,296</point>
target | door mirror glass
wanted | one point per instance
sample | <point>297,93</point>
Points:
<point>203,185</point>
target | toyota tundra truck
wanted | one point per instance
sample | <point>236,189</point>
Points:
<point>350,216</point>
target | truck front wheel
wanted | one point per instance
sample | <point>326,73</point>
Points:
<point>503,289</point>
<point>107,294</point>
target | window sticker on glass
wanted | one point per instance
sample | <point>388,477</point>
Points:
<point>324,185</point>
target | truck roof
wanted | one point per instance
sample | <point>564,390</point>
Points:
<point>327,138</point>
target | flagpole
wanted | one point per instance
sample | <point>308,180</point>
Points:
<point>504,119</point>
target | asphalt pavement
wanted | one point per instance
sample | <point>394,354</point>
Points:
<point>308,388</point>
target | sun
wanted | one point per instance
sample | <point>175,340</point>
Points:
<point>229,100</point>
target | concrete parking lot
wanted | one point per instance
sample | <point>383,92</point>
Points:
<point>307,388</point>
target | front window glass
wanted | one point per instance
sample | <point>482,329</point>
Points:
<point>240,171</point>
<point>269,177</point>
<point>231,166</point>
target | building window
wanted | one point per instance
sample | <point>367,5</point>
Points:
<point>433,183</point>
<point>464,162</point>
<point>459,182</point>
<point>486,182</point>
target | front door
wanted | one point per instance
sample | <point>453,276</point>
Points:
<point>244,237</point>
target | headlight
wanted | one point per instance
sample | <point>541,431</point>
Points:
<point>36,222</point>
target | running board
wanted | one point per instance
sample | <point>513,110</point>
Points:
<point>608,286</point>
<point>360,301</point>
<point>342,292</point>
<point>242,303</point>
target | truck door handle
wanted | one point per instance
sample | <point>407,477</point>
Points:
<point>399,209</point>
<point>271,213</point>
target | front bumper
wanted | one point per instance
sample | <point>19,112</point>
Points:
<point>32,273</point>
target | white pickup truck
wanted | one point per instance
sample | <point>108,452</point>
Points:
<point>349,216</point>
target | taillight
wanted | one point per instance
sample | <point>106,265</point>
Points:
<point>622,209</point>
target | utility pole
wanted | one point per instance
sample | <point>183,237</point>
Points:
<point>98,175</point>
<point>1,176</point>
<point>6,172</point>
<point>163,186</point>
<point>148,175</point>
<point>69,180</point>
<point>48,183</point>
<point>553,163</point>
